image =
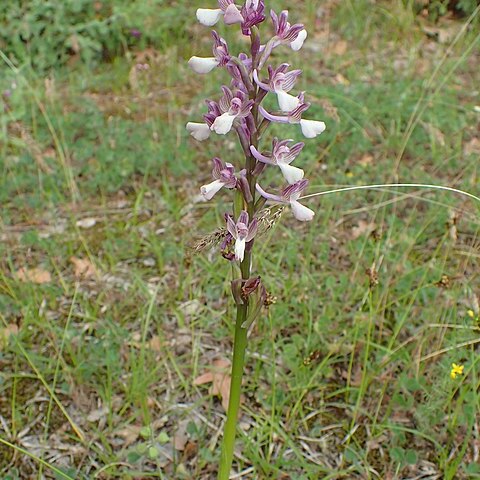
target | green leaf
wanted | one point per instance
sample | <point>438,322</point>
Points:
<point>163,437</point>
<point>411,457</point>
<point>192,429</point>
<point>133,457</point>
<point>397,454</point>
<point>146,432</point>
<point>351,455</point>
<point>153,452</point>
<point>473,469</point>
<point>142,448</point>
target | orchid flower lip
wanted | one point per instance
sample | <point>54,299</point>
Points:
<point>202,65</point>
<point>199,131</point>
<point>312,128</point>
<point>209,17</point>
<point>298,42</point>
<point>240,249</point>
<point>223,124</point>
<point>301,212</point>
<point>208,191</point>
<point>287,102</point>
<point>291,174</point>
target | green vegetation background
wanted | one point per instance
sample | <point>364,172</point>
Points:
<point>107,314</point>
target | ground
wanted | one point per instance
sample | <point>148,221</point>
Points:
<point>109,314</point>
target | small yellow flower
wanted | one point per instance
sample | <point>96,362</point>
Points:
<point>456,370</point>
<point>471,313</point>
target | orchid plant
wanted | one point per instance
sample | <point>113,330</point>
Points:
<point>239,110</point>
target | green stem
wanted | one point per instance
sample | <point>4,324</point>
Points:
<point>239,347</point>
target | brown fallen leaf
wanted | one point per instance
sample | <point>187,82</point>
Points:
<point>219,377</point>
<point>83,268</point>
<point>34,275</point>
<point>444,33</point>
<point>366,160</point>
<point>50,93</point>
<point>362,228</point>
<point>472,147</point>
<point>155,344</point>
<point>129,433</point>
<point>181,436</point>
<point>339,48</point>
<point>190,450</point>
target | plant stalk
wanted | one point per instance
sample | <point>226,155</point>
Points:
<point>239,347</point>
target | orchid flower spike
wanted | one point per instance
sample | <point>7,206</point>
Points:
<point>224,176</point>
<point>290,195</point>
<point>280,82</point>
<point>233,106</point>
<point>310,128</point>
<point>282,155</point>
<point>293,35</point>
<point>221,57</point>
<point>242,232</point>
<point>231,14</point>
